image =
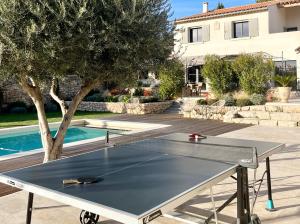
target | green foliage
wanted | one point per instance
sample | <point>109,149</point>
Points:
<point>97,97</point>
<point>96,40</point>
<point>220,5</point>
<point>125,98</point>
<point>171,76</point>
<point>253,71</point>
<point>51,107</point>
<point>150,99</point>
<point>258,99</point>
<point>112,99</point>
<point>17,104</point>
<point>242,102</point>
<point>1,99</point>
<point>202,102</point>
<point>229,100</point>
<point>18,110</point>
<point>212,101</point>
<point>220,74</point>
<point>138,92</point>
<point>285,80</point>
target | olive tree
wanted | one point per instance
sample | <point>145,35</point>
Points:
<point>44,41</point>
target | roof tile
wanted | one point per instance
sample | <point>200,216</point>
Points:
<point>219,12</point>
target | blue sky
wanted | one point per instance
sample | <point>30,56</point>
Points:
<point>183,8</point>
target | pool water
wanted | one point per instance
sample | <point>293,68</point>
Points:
<point>21,142</point>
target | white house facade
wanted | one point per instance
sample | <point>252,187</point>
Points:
<point>271,28</point>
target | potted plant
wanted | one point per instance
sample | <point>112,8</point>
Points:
<point>284,90</point>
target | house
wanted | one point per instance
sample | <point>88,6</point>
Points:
<point>271,28</point>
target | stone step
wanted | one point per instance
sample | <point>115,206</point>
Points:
<point>256,121</point>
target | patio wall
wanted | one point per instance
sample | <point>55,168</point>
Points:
<point>129,108</point>
<point>284,115</point>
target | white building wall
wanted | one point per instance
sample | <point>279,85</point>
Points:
<point>293,17</point>
<point>273,43</point>
<point>276,19</point>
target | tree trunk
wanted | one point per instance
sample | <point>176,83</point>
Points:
<point>53,146</point>
<point>56,150</point>
<point>36,95</point>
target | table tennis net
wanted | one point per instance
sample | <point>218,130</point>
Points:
<point>244,156</point>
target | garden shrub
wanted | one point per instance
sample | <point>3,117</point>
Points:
<point>150,99</point>
<point>112,99</point>
<point>258,99</point>
<point>124,98</point>
<point>18,110</point>
<point>254,73</point>
<point>97,97</point>
<point>229,100</point>
<point>138,92</point>
<point>243,102</point>
<point>17,104</point>
<point>212,101</point>
<point>220,75</point>
<point>202,102</point>
<point>1,99</point>
<point>171,77</point>
<point>51,107</point>
<point>31,109</point>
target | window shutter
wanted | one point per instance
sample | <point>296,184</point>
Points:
<point>228,30</point>
<point>253,27</point>
<point>206,33</point>
<point>185,35</point>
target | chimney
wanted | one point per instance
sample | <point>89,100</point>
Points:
<point>205,7</point>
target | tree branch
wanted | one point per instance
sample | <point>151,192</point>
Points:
<point>36,95</point>
<point>54,96</point>
<point>86,88</point>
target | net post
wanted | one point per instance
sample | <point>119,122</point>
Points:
<point>107,138</point>
<point>29,208</point>
<point>250,163</point>
<point>270,205</point>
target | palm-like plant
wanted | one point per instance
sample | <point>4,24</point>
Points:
<point>284,81</point>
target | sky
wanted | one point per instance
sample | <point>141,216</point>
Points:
<point>183,8</point>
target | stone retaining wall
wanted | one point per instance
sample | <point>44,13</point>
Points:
<point>129,108</point>
<point>267,115</point>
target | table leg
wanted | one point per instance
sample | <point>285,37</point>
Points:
<point>29,208</point>
<point>242,196</point>
<point>270,204</point>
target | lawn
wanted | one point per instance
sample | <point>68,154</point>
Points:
<point>13,120</point>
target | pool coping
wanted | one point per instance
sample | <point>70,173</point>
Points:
<point>133,127</point>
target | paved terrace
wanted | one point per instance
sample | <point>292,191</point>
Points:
<point>284,168</point>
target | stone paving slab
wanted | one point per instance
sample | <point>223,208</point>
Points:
<point>286,190</point>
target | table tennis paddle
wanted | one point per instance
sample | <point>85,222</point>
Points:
<point>81,180</point>
<point>196,136</point>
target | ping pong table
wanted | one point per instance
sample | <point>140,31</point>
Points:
<point>141,181</point>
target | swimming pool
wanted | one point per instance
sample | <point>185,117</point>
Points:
<point>13,143</point>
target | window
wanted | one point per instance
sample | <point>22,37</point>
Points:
<point>192,74</point>
<point>291,29</point>
<point>241,29</point>
<point>196,35</point>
